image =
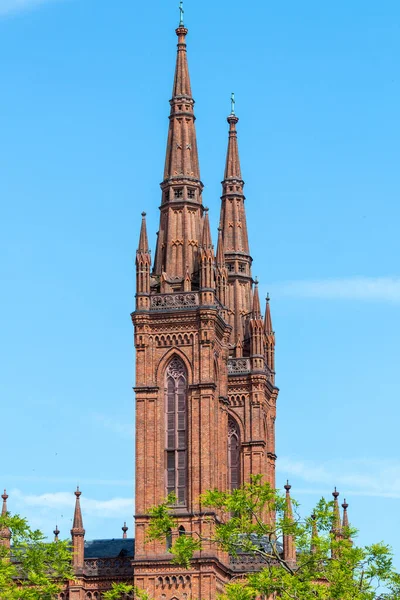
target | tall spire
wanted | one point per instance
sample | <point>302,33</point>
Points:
<point>289,546</point>
<point>5,533</point>
<point>234,233</point>
<point>78,535</point>
<point>181,210</point>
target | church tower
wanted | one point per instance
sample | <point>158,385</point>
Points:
<point>205,393</point>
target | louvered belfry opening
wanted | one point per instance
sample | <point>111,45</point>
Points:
<point>176,430</point>
<point>233,454</point>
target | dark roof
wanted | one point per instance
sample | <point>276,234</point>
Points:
<point>109,548</point>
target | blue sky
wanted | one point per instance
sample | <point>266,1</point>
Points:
<point>83,121</point>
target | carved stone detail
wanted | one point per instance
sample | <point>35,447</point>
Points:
<point>168,301</point>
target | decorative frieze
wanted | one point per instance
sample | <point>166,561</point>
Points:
<point>174,301</point>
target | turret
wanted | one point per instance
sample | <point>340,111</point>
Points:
<point>78,536</point>
<point>5,533</point>
<point>289,546</point>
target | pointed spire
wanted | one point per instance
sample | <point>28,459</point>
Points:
<point>77,526</point>
<point>56,533</point>
<point>345,522</point>
<point>256,312</point>
<point>220,249</point>
<point>143,241</point>
<point>268,320</point>
<point>314,534</point>
<point>235,237</point>
<point>181,80</point>
<point>5,532</point>
<point>181,211</point>
<point>206,241</point>
<point>289,546</point>
<point>124,530</point>
<point>4,507</point>
<point>78,536</point>
<point>336,524</point>
<point>232,165</point>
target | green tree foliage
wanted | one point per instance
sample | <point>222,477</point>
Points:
<point>33,569</point>
<point>253,520</point>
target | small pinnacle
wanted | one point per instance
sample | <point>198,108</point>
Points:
<point>345,505</point>
<point>78,493</point>
<point>206,209</point>
<point>4,496</point>
<point>287,486</point>
<point>124,529</point>
<point>313,516</point>
<point>335,494</point>
<point>256,281</point>
<point>267,298</point>
<point>143,214</point>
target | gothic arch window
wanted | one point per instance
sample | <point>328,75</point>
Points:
<point>176,430</point>
<point>233,454</point>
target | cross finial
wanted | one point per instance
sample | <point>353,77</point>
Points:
<point>182,12</point>
<point>233,102</point>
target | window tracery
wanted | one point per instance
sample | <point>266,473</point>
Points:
<point>233,454</point>
<point>176,434</point>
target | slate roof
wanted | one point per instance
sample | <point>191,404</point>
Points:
<point>109,548</point>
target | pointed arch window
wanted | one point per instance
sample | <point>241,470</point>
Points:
<point>233,454</point>
<point>176,430</point>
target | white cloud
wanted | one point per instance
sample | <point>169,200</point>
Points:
<point>59,501</point>
<point>13,6</point>
<point>373,478</point>
<point>381,289</point>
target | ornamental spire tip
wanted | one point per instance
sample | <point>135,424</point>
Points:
<point>233,102</point>
<point>181,13</point>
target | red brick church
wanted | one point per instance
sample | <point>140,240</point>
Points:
<point>205,373</point>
